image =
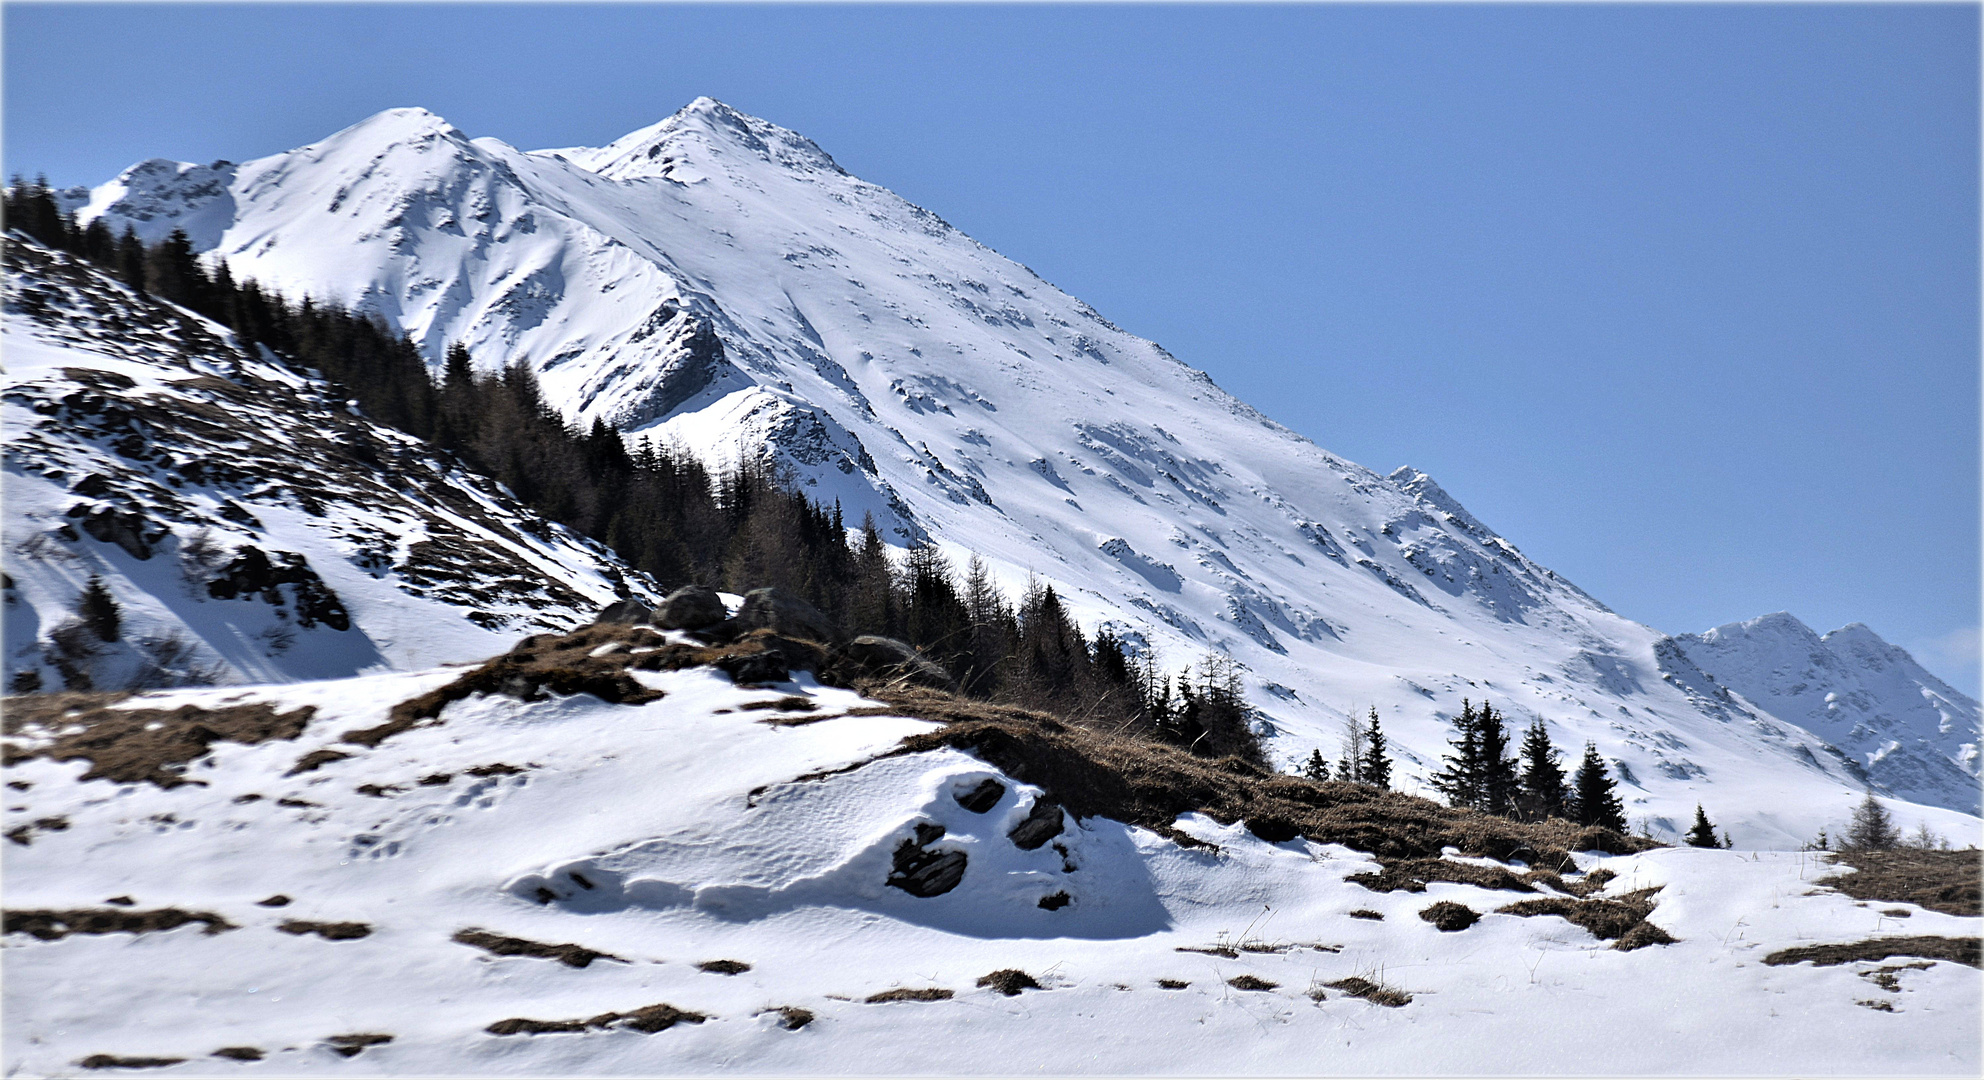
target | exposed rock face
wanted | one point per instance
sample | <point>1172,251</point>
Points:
<point>889,658</point>
<point>690,607</point>
<point>1043,823</point>
<point>783,613</point>
<point>983,797</point>
<point>252,571</point>
<point>626,613</point>
<point>925,873</point>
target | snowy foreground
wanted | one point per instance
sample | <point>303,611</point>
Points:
<point>635,831</point>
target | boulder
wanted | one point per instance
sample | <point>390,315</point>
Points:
<point>981,798</point>
<point>768,666</point>
<point>1043,823</point>
<point>625,613</point>
<point>783,613</point>
<point>888,658</point>
<point>921,872</point>
<point>690,607</point>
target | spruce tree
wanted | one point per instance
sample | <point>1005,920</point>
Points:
<point>1543,793</point>
<point>1317,769</point>
<point>99,610</point>
<point>1872,828</point>
<point>1377,768</point>
<point>1597,802</point>
<point>1460,780</point>
<point>1497,769</point>
<point>1702,834</point>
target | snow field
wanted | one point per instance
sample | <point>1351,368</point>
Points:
<point>696,842</point>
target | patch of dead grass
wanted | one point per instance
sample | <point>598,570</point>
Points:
<point>570,955</point>
<point>136,745</point>
<point>1958,950</point>
<point>50,925</point>
<point>1945,881</point>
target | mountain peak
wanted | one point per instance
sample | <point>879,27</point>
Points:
<point>700,138</point>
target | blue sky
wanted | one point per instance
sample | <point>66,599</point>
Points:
<point>1682,299</point>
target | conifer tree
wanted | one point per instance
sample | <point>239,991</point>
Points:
<point>1460,779</point>
<point>131,260</point>
<point>1597,802</point>
<point>1872,828</point>
<point>1702,834</point>
<point>1317,769</point>
<point>1377,768</point>
<point>1497,768</point>
<point>1543,793</point>
<point>99,610</point>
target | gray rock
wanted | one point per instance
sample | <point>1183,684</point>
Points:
<point>759,667</point>
<point>983,797</point>
<point>890,658</point>
<point>690,607</point>
<point>924,873</point>
<point>625,612</point>
<point>1043,823</point>
<point>783,613</point>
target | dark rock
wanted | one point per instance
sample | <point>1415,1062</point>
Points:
<point>1055,902</point>
<point>770,665</point>
<point>112,526</point>
<point>983,797</point>
<point>625,613</point>
<point>690,607</point>
<point>1273,829</point>
<point>1043,823</point>
<point>252,571</point>
<point>888,658</point>
<point>924,873</point>
<point>784,613</point>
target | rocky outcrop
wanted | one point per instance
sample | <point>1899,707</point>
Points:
<point>691,607</point>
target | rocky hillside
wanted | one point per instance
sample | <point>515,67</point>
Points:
<point>248,525</point>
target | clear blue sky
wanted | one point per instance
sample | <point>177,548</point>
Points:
<point>1682,299</point>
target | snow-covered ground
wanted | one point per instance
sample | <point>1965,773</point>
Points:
<point>678,832</point>
<point>717,279</point>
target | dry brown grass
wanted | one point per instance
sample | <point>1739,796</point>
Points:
<point>1945,881</point>
<point>1621,921</point>
<point>927,993</point>
<point>128,745</point>
<point>1375,993</point>
<point>1096,773</point>
<point>1450,917</point>
<point>1009,981</point>
<point>329,931</point>
<point>577,956</point>
<point>647,1020</point>
<point>1960,950</point>
<point>51,925</point>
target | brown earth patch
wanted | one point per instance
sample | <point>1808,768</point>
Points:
<point>577,956</point>
<point>647,1020</point>
<point>355,1044</point>
<point>1375,993</point>
<point>1945,881</point>
<point>1621,921</point>
<point>784,704</point>
<point>112,1061</point>
<point>1009,981</point>
<point>723,967</point>
<point>1096,773</point>
<point>48,925</point>
<point>792,1017</point>
<point>928,993</point>
<point>1959,950</point>
<point>1450,917</point>
<point>329,931</point>
<point>136,745</point>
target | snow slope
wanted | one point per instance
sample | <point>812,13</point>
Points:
<point>720,280</point>
<point>251,528</point>
<point>1915,735</point>
<point>679,832</point>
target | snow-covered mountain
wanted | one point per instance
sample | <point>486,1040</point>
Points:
<point>719,280</point>
<point>1916,736</point>
<point>249,527</point>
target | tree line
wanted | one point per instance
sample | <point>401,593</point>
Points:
<point>667,514</point>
